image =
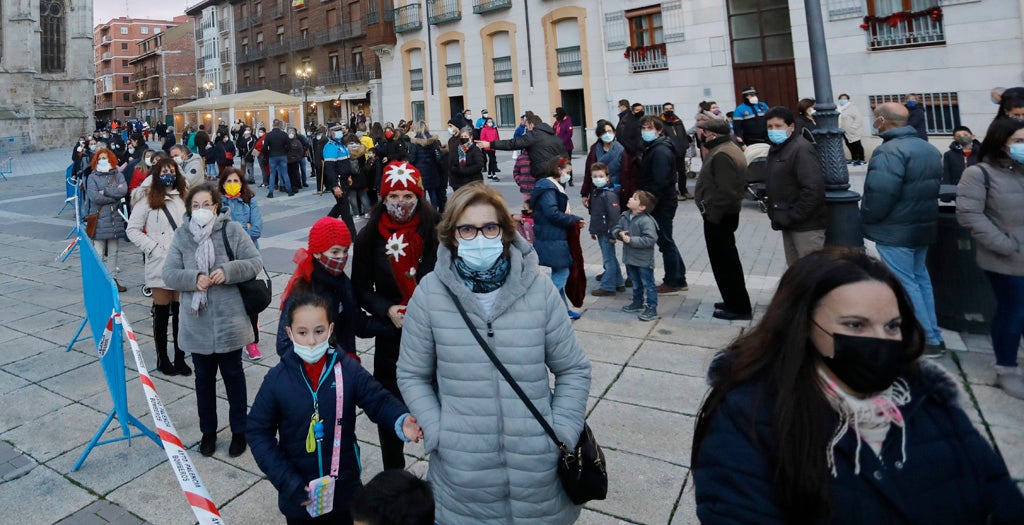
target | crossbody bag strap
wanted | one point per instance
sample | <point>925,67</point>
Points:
<point>174,225</point>
<point>339,392</point>
<point>504,371</point>
<point>227,245</point>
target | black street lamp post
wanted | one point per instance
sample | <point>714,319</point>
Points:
<point>844,226</point>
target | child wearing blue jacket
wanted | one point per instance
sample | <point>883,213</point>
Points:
<point>291,426</point>
<point>604,215</point>
<point>240,203</point>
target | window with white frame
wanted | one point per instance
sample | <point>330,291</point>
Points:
<point>506,110</point>
<point>941,109</point>
<point>904,23</point>
<point>419,110</point>
<point>144,30</point>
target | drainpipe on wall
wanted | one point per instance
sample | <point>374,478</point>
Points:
<point>604,63</point>
<point>529,46</point>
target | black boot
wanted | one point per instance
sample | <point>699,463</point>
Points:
<point>180,366</point>
<point>161,312</point>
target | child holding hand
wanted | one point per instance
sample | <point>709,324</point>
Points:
<point>294,424</point>
<point>639,234</point>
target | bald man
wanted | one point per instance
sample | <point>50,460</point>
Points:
<point>899,210</point>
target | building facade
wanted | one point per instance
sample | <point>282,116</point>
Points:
<point>213,24</point>
<point>511,56</point>
<point>116,44</point>
<point>320,51</point>
<point>164,73</point>
<point>46,74</point>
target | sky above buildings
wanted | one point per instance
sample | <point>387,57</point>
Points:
<point>104,10</point>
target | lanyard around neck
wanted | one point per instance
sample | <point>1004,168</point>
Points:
<point>339,409</point>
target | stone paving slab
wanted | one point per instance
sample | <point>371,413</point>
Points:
<point>102,512</point>
<point>13,464</point>
<point>41,496</point>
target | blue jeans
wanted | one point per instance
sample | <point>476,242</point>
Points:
<point>643,281</point>
<point>1008,321</point>
<point>302,171</point>
<point>279,172</point>
<point>612,271</point>
<point>559,276</point>
<point>908,266</point>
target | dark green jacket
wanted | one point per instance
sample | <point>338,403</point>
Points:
<point>900,205</point>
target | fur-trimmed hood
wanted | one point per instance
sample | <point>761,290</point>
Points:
<point>424,141</point>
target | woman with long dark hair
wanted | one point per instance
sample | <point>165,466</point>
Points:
<point>824,413</point>
<point>990,203</point>
<point>393,251</point>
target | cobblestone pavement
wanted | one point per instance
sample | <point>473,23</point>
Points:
<point>648,378</point>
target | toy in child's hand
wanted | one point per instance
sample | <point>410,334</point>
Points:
<point>321,496</point>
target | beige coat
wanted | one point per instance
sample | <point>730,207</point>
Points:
<point>151,231</point>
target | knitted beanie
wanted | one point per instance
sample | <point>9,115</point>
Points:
<point>328,232</point>
<point>400,176</point>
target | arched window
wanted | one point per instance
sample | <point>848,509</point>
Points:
<point>52,40</point>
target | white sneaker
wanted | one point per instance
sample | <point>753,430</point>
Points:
<point>1010,380</point>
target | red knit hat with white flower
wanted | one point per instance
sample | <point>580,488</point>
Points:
<point>400,175</point>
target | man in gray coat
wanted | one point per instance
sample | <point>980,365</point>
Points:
<point>900,210</point>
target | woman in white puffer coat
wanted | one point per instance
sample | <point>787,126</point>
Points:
<point>490,460</point>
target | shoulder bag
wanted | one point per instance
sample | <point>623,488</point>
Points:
<point>582,468</point>
<point>256,293</point>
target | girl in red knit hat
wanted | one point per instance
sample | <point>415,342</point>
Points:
<point>320,269</point>
<point>394,250</point>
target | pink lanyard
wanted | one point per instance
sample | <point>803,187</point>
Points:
<point>339,410</point>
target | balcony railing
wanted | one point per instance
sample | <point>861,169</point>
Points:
<point>146,72</point>
<point>255,20</point>
<point>301,42</point>
<point>251,55</point>
<point>106,56</point>
<point>454,74</point>
<point>105,40</point>
<point>408,18</point>
<point>647,58</point>
<point>341,32</point>
<point>276,49</point>
<point>225,87</point>
<point>502,69</point>
<point>277,12</point>
<point>570,62</point>
<point>441,11</point>
<point>374,15</point>
<point>921,31</point>
<point>345,76</point>
<point>416,79</point>
<point>483,6</point>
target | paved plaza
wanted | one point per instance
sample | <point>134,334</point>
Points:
<point>648,378</point>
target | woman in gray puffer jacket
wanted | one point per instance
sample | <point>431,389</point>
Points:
<point>214,326</point>
<point>490,460</point>
<point>990,203</point>
<point>104,189</point>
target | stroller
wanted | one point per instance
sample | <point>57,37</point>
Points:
<point>757,174</point>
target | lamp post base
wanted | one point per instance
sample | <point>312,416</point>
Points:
<point>844,225</point>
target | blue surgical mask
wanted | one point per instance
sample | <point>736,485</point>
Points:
<point>600,183</point>
<point>777,136</point>
<point>480,253</point>
<point>648,135</point>
<point>311,354</point>
<point>911,103</point>
<point>843,102</point>
<point>168,179</point>
<point>1017,152</point>
<point>608,137</point>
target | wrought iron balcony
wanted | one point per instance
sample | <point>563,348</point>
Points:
<point>483,6</point>
<point>570,62</point>
<point>502,69</point>
<point>441,11</point>
<point>923,30</point>
<point>454,74</point>
<point>347,75</point>
<point>408,18</point>
<point>301,42</point>
<point>647,58</point>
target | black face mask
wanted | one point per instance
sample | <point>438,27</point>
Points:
<point>866,364</point>
<point>464,140</point>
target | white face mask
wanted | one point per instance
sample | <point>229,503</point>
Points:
<point>103,165</point>
<point>452,131</point>
<point>311,354</point>
<point>600,183</point>
<point>202,216</point>
<point>148,161</point>
<point>338,135</point>
<point>753,100</point>
<point>179,161</point>
<point>291,135</point>
<point>565,178</point>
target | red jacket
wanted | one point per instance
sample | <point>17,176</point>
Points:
<point>489,134</point>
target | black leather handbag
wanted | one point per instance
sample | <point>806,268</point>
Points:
<point>581,468</point>
<point>256,293</point>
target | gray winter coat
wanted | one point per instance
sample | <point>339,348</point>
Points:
<point>110,224</point>
<point>995,216</point>
<point>223,325</point>
<point>643,235</point>
<point>490,461</point>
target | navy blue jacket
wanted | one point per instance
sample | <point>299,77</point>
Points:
<point>279,422</point>
<point>657,172</point>
<point>550,224</point>
<point>951,475</point>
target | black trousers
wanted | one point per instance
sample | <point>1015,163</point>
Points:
<point>230,365</point>
<point>492,162</point>
<point>856,149</point>
<point>385,370</point>
<point>725,262</point>
<point>293,176</point>
<point>342,209</point>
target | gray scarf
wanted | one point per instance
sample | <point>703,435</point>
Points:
<point>204,258</point>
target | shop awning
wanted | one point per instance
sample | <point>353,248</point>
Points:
<point>254,99</point>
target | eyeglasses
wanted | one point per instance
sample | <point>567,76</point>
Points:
<point>468,232</point>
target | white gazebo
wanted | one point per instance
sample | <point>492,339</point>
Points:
<point>254,108</point>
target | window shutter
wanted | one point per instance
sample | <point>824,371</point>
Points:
<point>615,34</point>
<point>672,21</point>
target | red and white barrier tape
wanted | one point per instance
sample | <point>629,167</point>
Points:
<point>188,477</point>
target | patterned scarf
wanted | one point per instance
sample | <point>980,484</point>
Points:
<point>204,258</point>
<point>404,249</point>
<point>870,418</point>
<point>484,281</point>
<point>463,148</point>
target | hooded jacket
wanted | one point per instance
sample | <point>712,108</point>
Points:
<point>954,162</point>
<point>423,154</point>
<point>551,224</point>
<point>901,191</point>
<point>490,461</point>
<point>676,132</point>
<point>541,145</point>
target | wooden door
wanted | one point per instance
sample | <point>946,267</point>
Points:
<point>762,50</point>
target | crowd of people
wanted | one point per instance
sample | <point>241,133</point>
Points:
<point>835,365</point>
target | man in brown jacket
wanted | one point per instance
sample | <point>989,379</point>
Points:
<point>719,195</point>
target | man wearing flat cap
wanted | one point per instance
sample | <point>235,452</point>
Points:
<point>719,196</point>
<point>749,121</point>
